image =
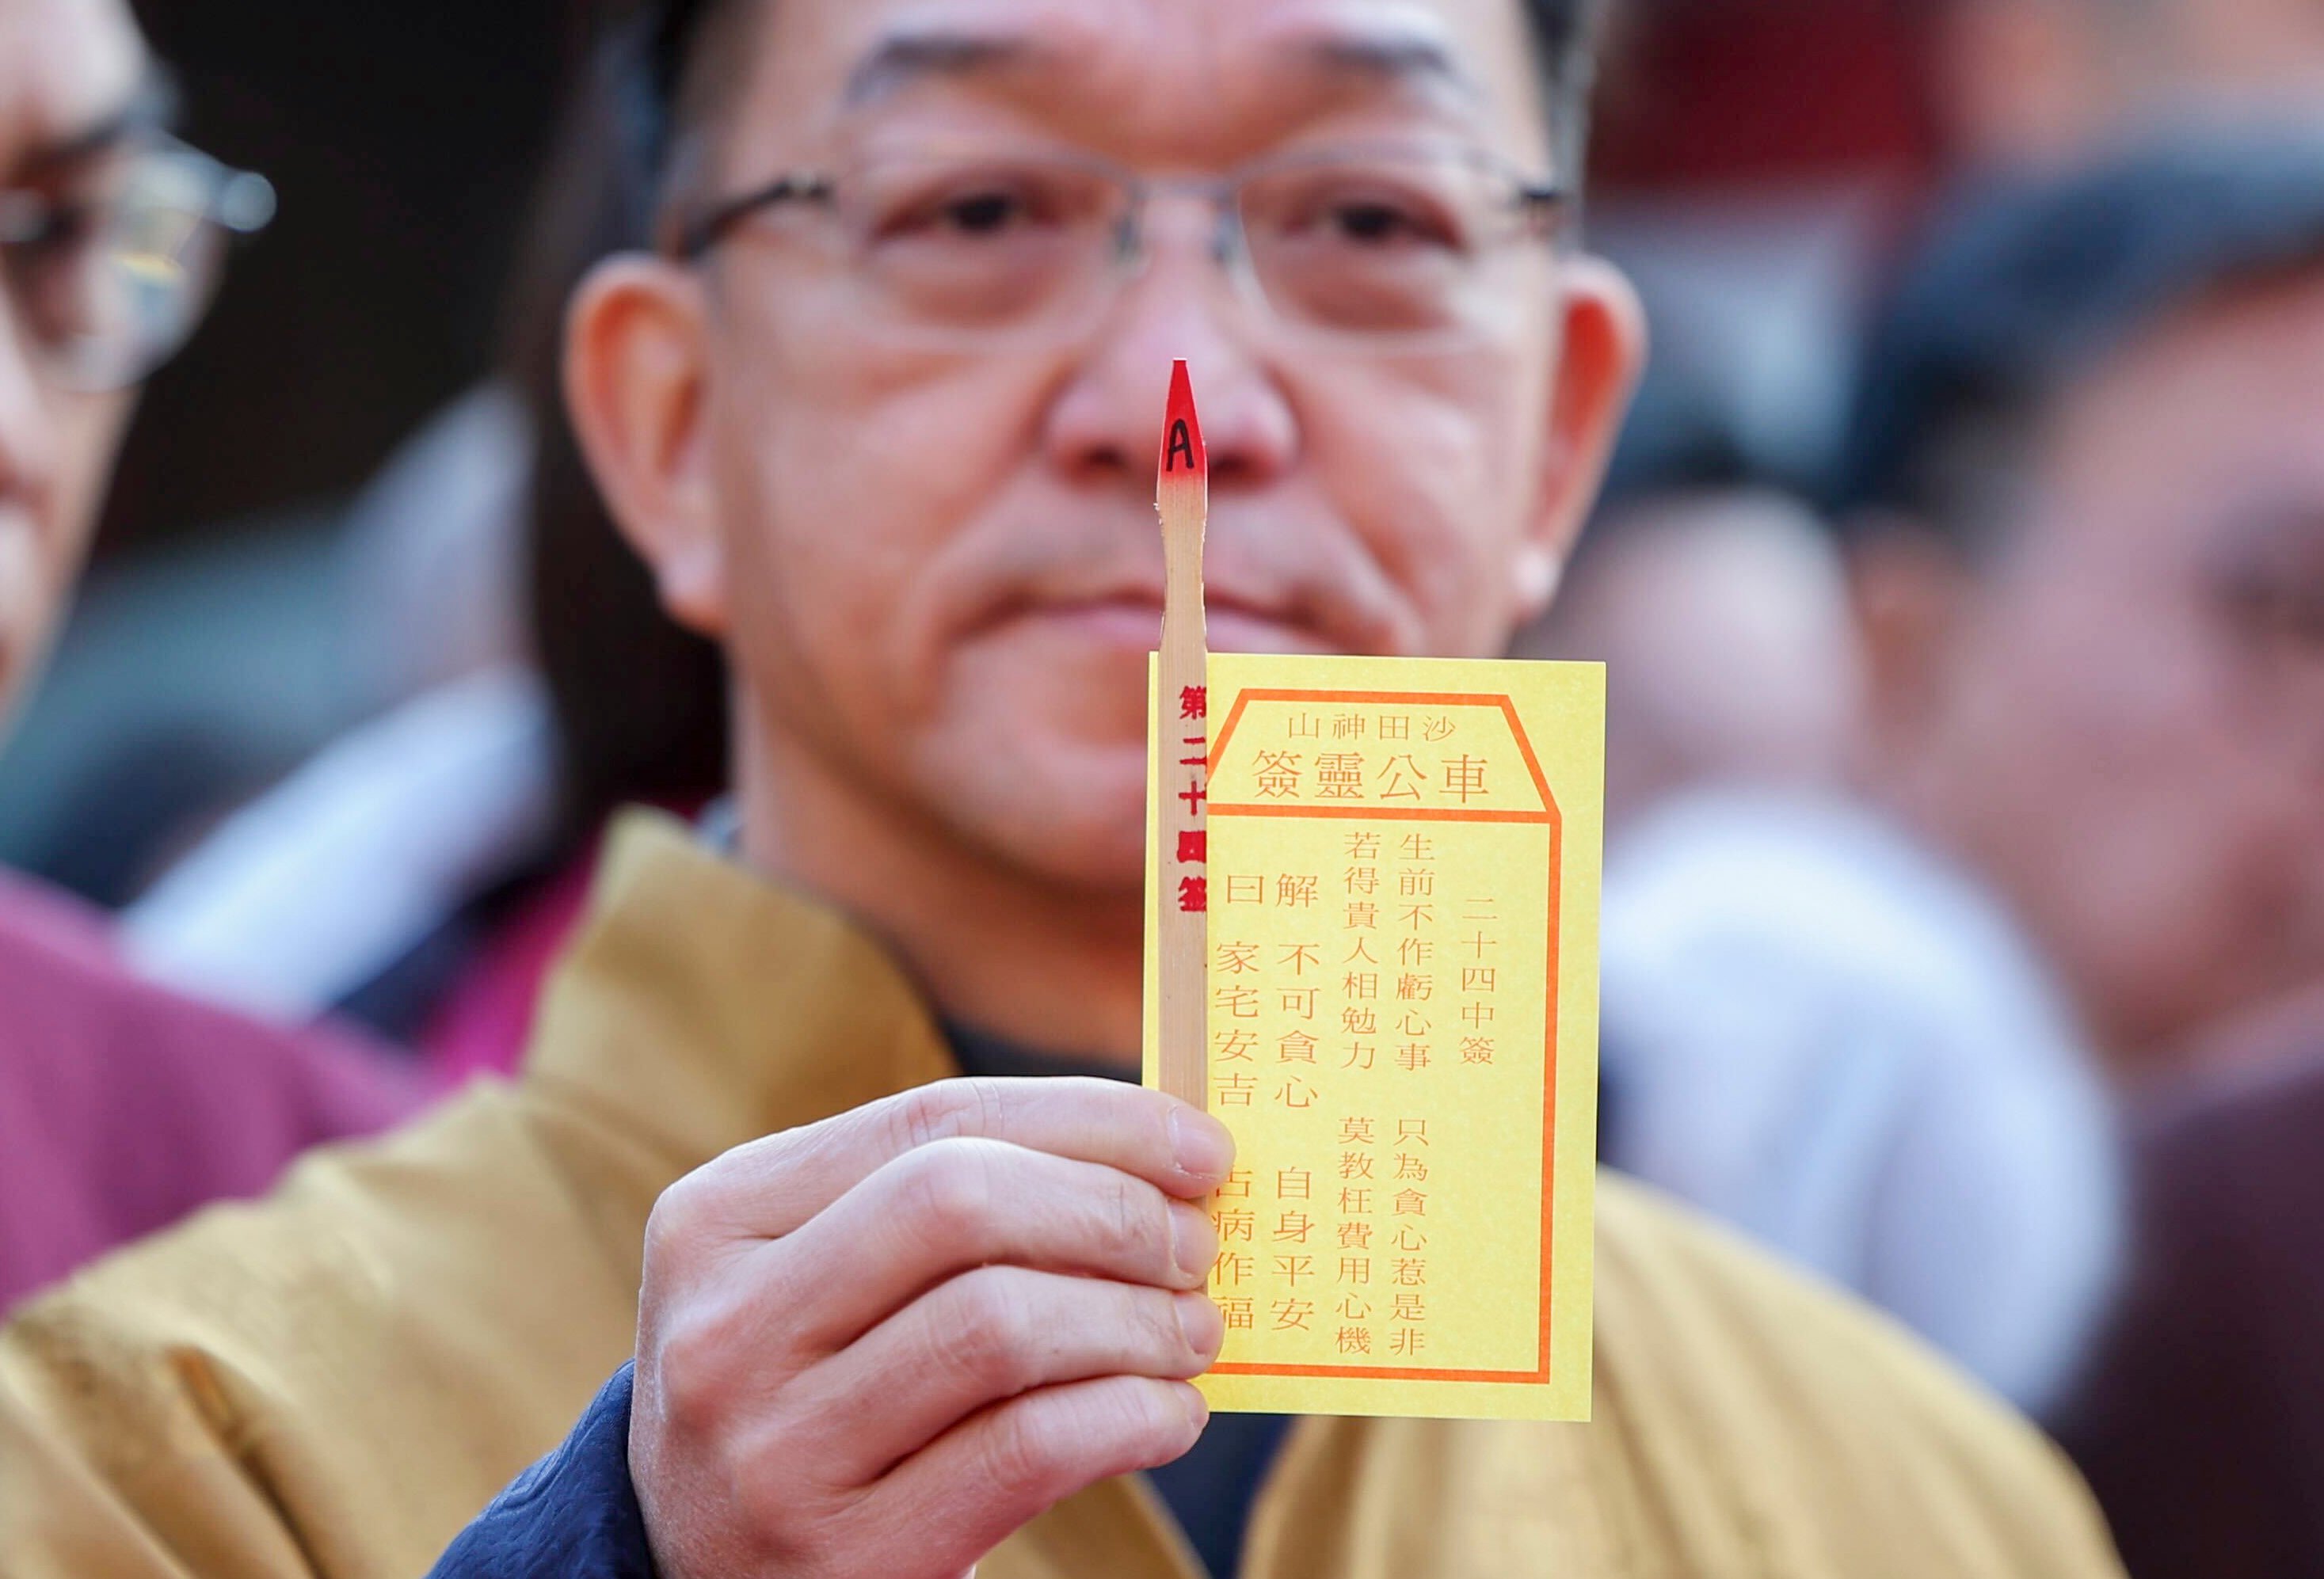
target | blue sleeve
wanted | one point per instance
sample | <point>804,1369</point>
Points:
<point>574,1515</point>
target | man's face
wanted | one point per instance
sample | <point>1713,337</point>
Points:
<point>2047,79</point>
<point>2129,729</point>
<point>939,566</point>
<point>2237,49</point>
<point>69,68</point>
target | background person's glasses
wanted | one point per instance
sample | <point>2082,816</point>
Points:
<point>109,273</point>
<point>1385,247</point>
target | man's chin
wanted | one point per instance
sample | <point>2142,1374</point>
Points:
<point>1065,812</point>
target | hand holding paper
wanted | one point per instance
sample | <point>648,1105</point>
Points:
<point>917,1326</point>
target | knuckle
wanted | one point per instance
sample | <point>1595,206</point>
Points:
<point>987,1337</point>
<point>1020,1453</point>
<point>689,1367</point>
<point>1154,1317</point>
<point>991,1107</point>
<point>945,1110</point>
<point>947,1192</point>
<point>1137,1219</point>
<point>673,1227</point>
<point>777,1536</point>
<point>918,1117</point>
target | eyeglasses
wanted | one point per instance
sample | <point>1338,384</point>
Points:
<point>1382,247</point>
<point>109,277</point>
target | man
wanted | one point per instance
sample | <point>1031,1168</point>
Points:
<point>2046,81</point>
<point>2086,500</point>
<point>2086,496</point>
<point>121,1107</point>
<point>881,415</point>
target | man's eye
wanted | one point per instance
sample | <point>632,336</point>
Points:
<point>981,213</point>
<point>61,229</point>
<point>1377,223</point>
<point>962,213</point>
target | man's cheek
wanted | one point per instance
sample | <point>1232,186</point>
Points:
<point>1048,764</point>
<point>1444,531</point>
<point>91,428</point>
<point>1040,681</point>
<point>1463,589</point>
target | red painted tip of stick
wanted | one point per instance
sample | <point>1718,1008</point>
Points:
<point>1183,457</point>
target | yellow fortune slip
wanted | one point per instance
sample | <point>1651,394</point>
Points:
<point>1397,875</point>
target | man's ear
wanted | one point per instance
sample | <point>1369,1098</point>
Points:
<point>1603,352</point>
<point>1910,586</point>
<point>636,343</point>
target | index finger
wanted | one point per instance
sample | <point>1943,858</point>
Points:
<point>770,1186</point>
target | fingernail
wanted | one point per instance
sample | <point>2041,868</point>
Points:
<point>1201,1145</point>
<point>1198,1408</point>
<point>1193,1239</point>
<point>1202,1324</point>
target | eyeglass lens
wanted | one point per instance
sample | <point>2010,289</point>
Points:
<point>115,277</point>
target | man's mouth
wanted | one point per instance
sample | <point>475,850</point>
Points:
<point>1132,622</point>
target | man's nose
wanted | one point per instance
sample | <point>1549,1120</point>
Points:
<point>1106,424</point>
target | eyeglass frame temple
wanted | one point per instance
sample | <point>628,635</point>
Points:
<point>221,182</point>
<point>695,239</point>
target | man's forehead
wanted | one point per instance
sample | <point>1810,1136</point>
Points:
<point>1350,34</point>
<point>2212,416</point>
<point>67,70</point>
<point>857,56</point>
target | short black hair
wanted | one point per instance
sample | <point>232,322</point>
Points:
<point>668,32</point>
<point>2023,285</point>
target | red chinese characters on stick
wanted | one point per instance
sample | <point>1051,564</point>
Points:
<point>1183,897</point>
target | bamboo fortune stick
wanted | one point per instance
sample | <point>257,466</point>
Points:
<point>1182,495</point>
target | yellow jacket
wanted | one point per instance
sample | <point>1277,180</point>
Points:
<point>335,1381</point>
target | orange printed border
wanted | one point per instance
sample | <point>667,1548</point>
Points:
<point>1549,817</point>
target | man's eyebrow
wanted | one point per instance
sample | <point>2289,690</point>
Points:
<point>1403,59</point>
<point>903,59</point>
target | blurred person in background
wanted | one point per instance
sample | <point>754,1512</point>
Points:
<point>881,413</point>
<point>122,1107</point>
<point>352,882</point>
<point>637,703</point>
<point>2085,497</point>
<point>2087,508</point>
<point>1721,615</point>
<point>2035,83</point>
<point>420,873</point>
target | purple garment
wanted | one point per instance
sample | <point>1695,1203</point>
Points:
<point>124,1107</point>
<point>2200,1419</point>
